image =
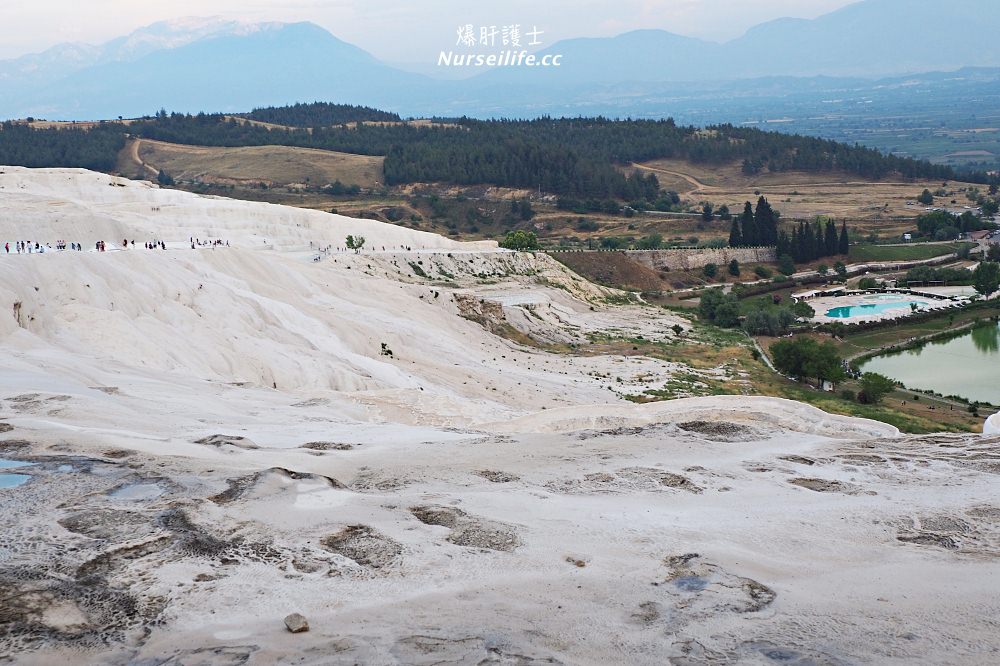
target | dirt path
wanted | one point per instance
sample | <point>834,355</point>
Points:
<point>696,185</point>
<point>134,154</point>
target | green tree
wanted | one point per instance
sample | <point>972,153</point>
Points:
<point>719,308</point>
<point>840,269</point>
<point>734,268</point>
<point>785,265</point>
<point>727,315</point>
<point>986,277</point>
<point>874,387</point>
<point>773,322</point>
<point>724,213</point>
<point>735,236</point>
<point>867,283</point>
<point>748,226</point>
<point>355,243</point>
<point>844,242</point>
<point>926,198</point>
<point>710,270</point>
<point>767,223</point>
<point>164,178</point>
<point>650,242</point>
<point>520,241</point>
<point>831,243</point>
<point>707,212</point>
<point>805,357</point>
<point>522,209</point>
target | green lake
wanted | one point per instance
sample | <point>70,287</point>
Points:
<point>967,365</point>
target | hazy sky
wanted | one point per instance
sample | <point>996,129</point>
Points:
<point>396,30</point>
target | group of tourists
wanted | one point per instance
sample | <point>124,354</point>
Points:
<point>30,247</point>
<point>218,242</point>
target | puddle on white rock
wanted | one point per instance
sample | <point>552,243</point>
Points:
<point>13,480</point>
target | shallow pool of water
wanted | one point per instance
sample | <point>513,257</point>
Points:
<point>967,365</point>
<point>7,464</point>
<point>13,480</point>
<point>691,583</point>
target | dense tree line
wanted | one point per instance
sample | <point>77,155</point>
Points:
<point>320,114</point>
<point>808,241</point>
<point>97,148</point>
<point>754,228</point>
<point>942,225</point>
<point>921,275</point>
<point>568,156</point>
<point>576,158</point>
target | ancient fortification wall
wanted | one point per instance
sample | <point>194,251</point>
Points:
<point>693,258</point>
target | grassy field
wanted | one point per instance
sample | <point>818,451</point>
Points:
<point>870,205</point>
<point>274,166</point>
<point>915,252</point>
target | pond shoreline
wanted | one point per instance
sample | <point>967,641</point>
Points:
<point>974,383</point>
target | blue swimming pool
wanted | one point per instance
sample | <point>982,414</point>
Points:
<point>863,309</point>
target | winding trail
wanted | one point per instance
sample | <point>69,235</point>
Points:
<point>134,154</point>
<point>696,185</point>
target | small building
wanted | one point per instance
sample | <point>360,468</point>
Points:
<point>816,293</point>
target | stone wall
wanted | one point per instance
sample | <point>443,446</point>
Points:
<point>694,258</point>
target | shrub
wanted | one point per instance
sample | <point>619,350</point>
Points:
<point>762,272</point>
<point>710,270</point>
<point>768,322</point>
<point>521,241</point>
<point>874,387</point>
<point>719,308</point>
<point>867,283</point>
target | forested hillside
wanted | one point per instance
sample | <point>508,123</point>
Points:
<point>576,157</point>
<point>320,114</point>
<point>97,148</point>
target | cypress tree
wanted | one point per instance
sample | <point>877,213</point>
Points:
<point>820,250</point>
<point>767,225</point>
<point>808,243</point>
<point>831,239</point>
<point>735,236</point>
<point>751,237</point>
<point>784,244</point>
<point>844,245</point>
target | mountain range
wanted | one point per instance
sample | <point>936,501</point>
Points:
<point>219,65</point>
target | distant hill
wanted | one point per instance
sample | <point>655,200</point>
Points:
<point>276,64</point>
<point>873,38</point>
<point>217,65</point>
